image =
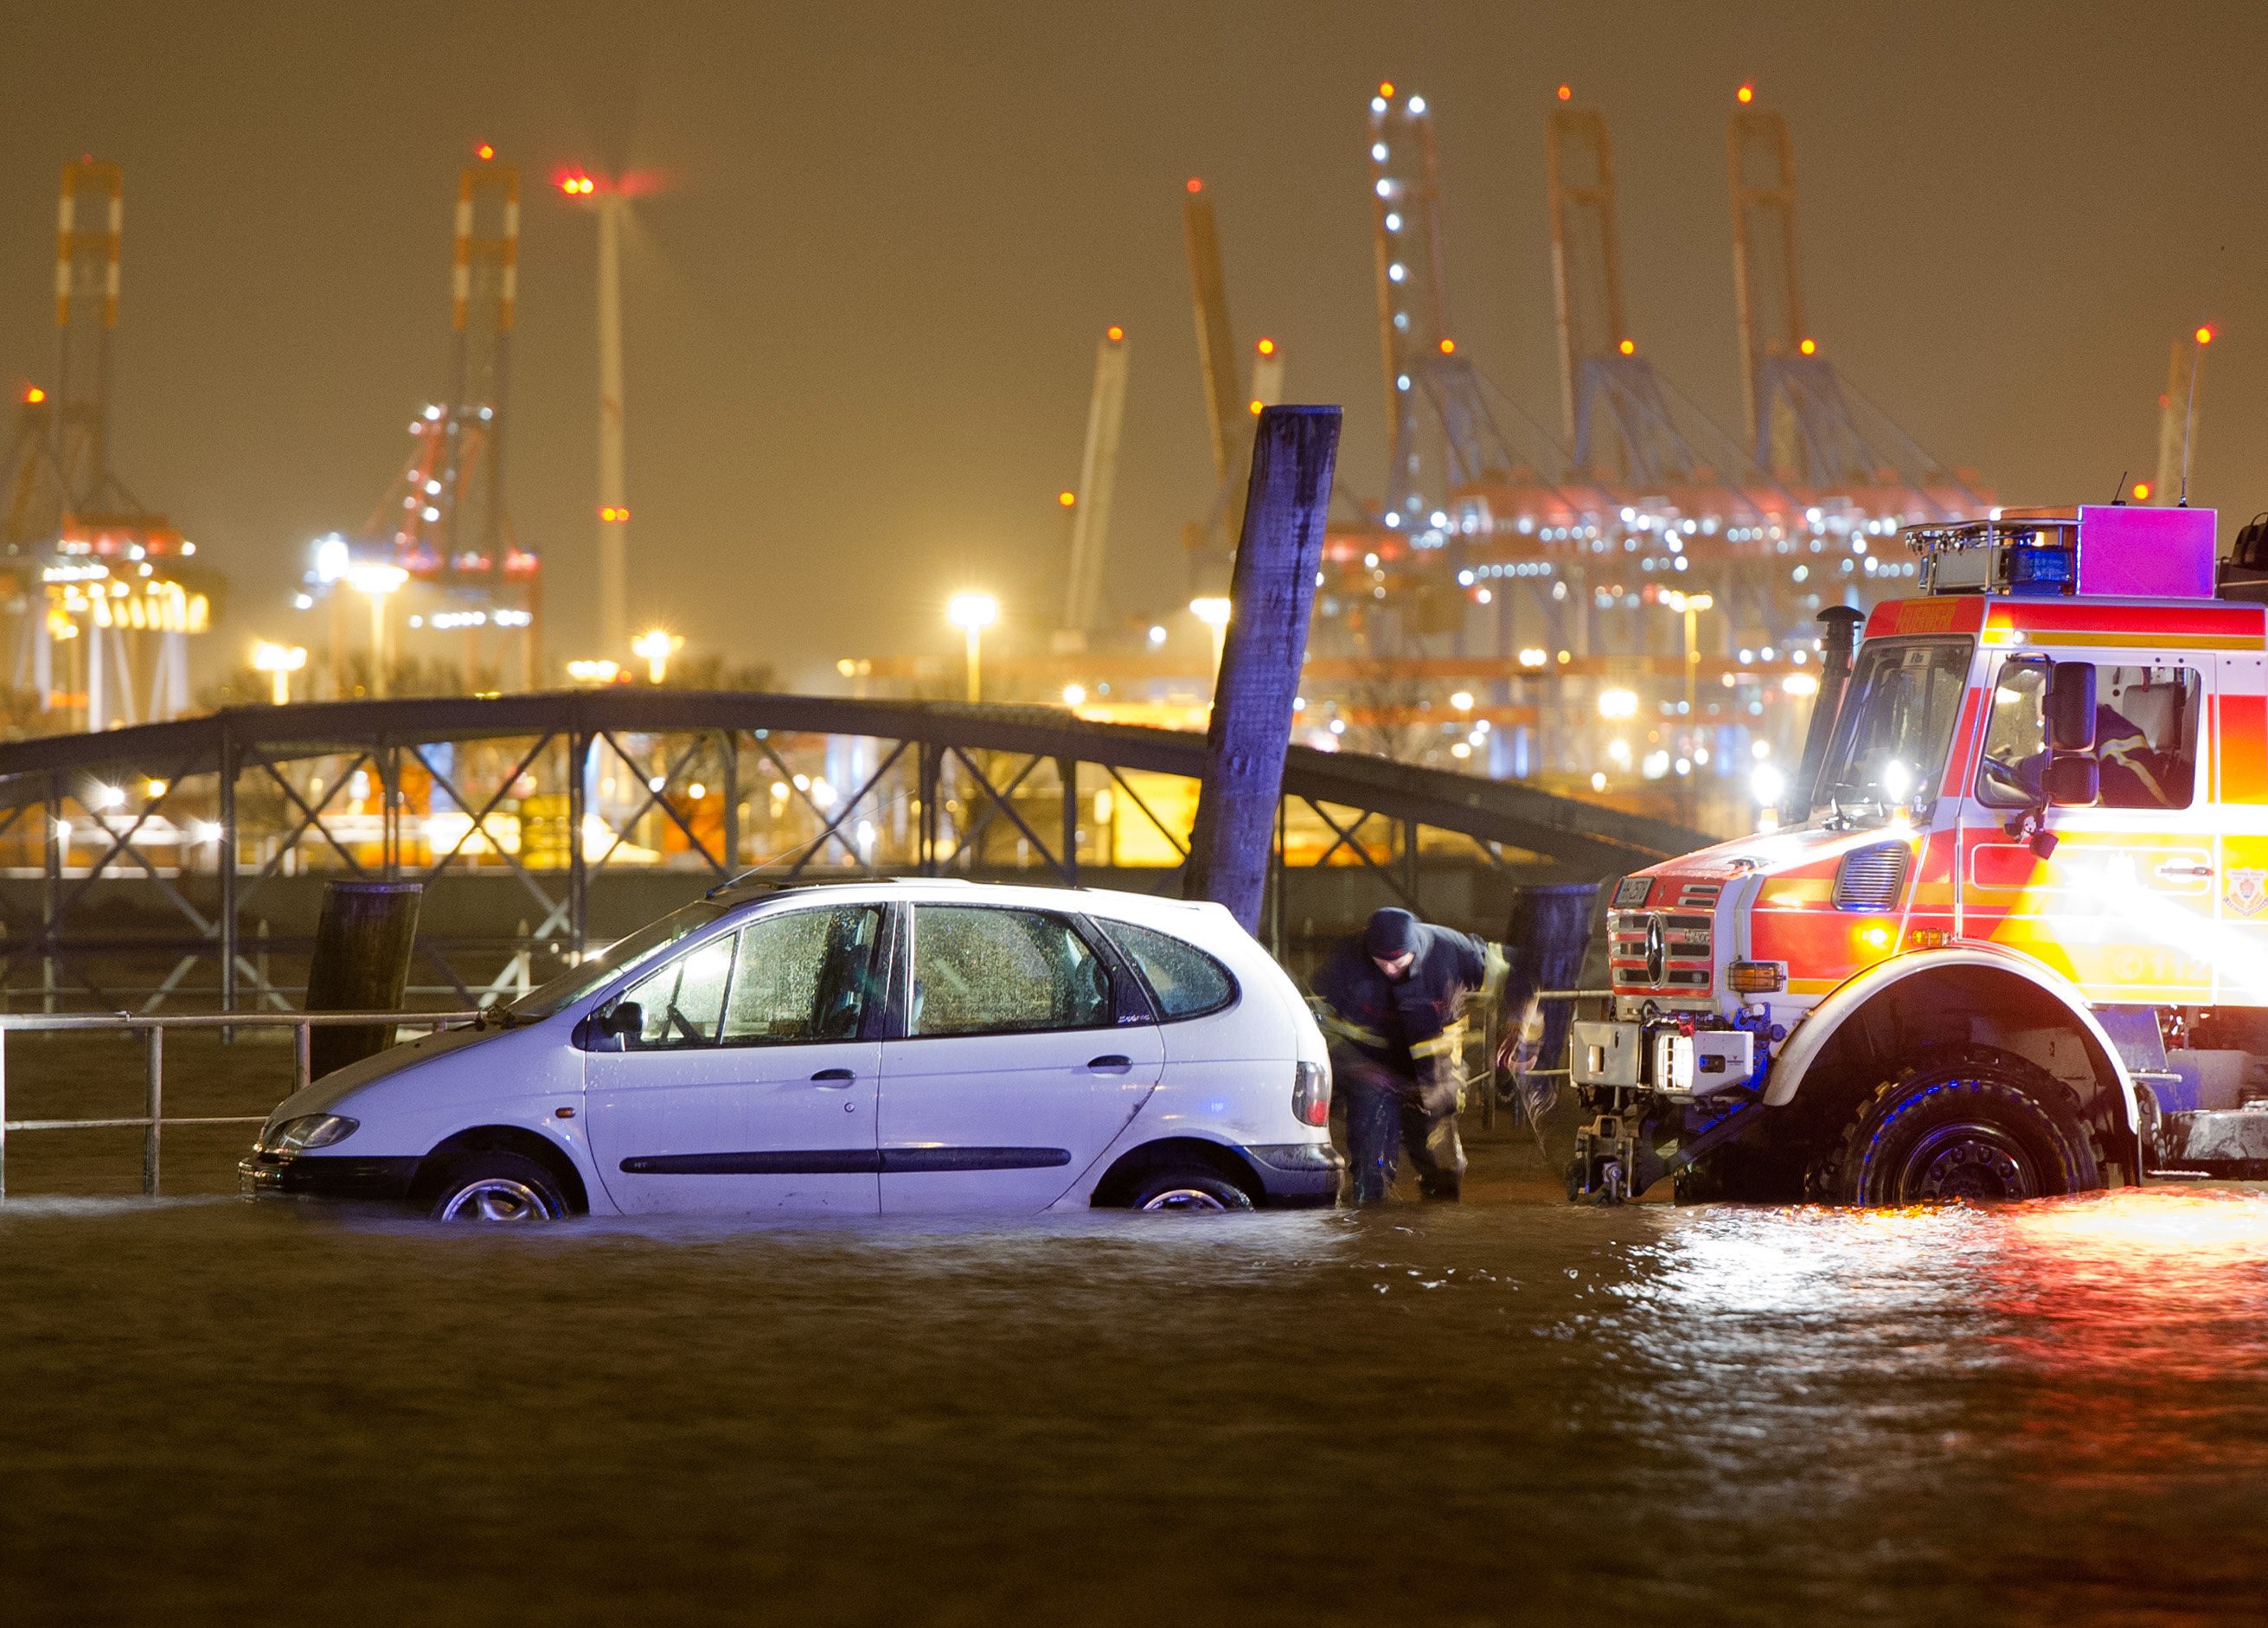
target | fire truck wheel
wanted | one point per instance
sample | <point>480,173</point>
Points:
<point>1972,1126</point>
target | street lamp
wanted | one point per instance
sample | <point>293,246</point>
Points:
<point>279,662</point>
<point>378,581</point>
<point>972,613</point>
<point>1214,611</point>
<point>655,648</point>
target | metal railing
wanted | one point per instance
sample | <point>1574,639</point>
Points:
<point>153,1119</point>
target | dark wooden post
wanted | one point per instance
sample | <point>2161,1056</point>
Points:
<point>1270,594</point>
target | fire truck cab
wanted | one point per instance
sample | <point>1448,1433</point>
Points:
<point>2010,936</point>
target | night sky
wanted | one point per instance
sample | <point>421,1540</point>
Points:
<point>860,323</point>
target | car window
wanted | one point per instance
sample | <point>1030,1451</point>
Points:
<point>805,976</point>
<point>2015,735</point>
<point>617,958</point>
<point>980,971</point>
<point>1183,980</point>
<point>679,1004</point>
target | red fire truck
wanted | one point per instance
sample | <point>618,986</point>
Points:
<point>2012,938</point>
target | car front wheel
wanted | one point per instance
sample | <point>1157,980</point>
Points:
<point>1188,1191</point>
<point>496,1188</point>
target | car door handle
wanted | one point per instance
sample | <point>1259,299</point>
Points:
<point>1114,1064</point>
<point>833,1078</point>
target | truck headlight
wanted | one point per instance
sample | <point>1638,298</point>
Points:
<point>308,1131</point>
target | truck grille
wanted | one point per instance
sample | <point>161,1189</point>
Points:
<point>1872,879</point>
<point>1666,950</point>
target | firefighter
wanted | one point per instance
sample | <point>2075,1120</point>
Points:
<point>1390,999</point>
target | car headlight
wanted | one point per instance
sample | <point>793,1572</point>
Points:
<point>308,1131</point>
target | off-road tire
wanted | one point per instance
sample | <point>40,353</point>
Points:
<point>1959,1125</point>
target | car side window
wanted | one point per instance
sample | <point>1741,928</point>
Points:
<point>1183,980</point>
<point>804,977</point>
<point>984,971</point>
<point>680,1004</point>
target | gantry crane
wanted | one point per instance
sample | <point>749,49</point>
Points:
<point>1098,473</point>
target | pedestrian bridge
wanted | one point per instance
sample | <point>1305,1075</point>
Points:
<point>182,863</point>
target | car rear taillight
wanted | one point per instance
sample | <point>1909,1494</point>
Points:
<point>1311,1094</point>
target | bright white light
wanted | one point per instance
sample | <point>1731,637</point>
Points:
<point>655,783</point>
<point>1074,695</point>
<point>1385,189</point>
<point>303,601</point>
<point>1392,519</point>
<point>1211,610</point>
<point>1618,704</point>
<point>971,611</point>
<point>204,831</point>
<point>1401,381</point>
<point>1338,726</point>
<point>1377,152</point>
<point>1394,223</point>
<point>375,579</point>
<point>1800,685</point>
<point>1769,784</point>
<point>1157,636</point>
<point>1439,518</point>
<point>1377,104</point>
<point>1464,579</point>
<point>1897,779</point>
<point>432,489</point>
<point>1619,750</point>
<point>431,512</point>
<point>1417,104</point>
<point>1394,273</point>
<point>332,560</point>
<point>1598,783</point>
<point>1461,751</point>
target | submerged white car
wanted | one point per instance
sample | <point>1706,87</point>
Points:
<point>884,1047</point>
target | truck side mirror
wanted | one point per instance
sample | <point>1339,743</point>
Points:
<point>2074,781</point>
<point>2071,710</point>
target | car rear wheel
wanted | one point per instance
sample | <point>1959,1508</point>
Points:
<point>1191,1192</point>
<point>1970,1127</point>
<point>500,1189</point>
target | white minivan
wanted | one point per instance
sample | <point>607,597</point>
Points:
<point>888,1047</point>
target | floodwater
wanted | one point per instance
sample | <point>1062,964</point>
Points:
<point>1511,1411</point>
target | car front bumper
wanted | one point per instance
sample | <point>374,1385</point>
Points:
<point>260,1173</point>
<point>1298,1175</point>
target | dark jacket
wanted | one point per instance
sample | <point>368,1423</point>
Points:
<point>1406,1025</point>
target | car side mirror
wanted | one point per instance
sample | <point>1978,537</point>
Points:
<point>2074,781</point>
<point>2071,710</point>
<point>625,1019</point>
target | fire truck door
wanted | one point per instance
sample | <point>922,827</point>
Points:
<point>2126,906</point>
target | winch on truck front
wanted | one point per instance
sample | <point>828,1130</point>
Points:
<point>2010,936</point>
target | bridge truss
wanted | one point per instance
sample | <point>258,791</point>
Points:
<point>132,861</point>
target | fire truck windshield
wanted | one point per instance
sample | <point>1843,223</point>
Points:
<point>1895,727</point>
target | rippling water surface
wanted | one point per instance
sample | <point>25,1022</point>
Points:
<point>1499,1413</point>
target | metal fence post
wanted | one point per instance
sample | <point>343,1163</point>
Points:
<point>224,859</point>
<point>151,1137</point>
<point>51,892</point>
<point>578,752</point>
<point>732,782</point>
<point>3,1113</point>
<point>1067,772</point>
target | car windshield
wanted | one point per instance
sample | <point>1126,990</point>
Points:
<point>618,957</point>
<point>1895,727</point>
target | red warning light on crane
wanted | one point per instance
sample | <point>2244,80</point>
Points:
<point>1114,332</point>
<point>1386,88</point>
<point>611,514</point>
<point>1448,346</point>
<point>1808,347</point>
<point>1195,185</point>
<point>1746,94</point>
<point>1067,498</point>
<point>1629,346</point>
<point>1566,92</point>
<point>1266,347</point>
<point>34,395</point>
<point>485,151</point>
<point>576,185</point>
<point>2205,334</point>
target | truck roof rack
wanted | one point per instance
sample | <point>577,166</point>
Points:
<point>2111,550</point>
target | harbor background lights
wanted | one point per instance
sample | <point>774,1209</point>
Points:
<point>972,613</point>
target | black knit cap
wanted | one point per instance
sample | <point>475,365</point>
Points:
<point>1391,932</point>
